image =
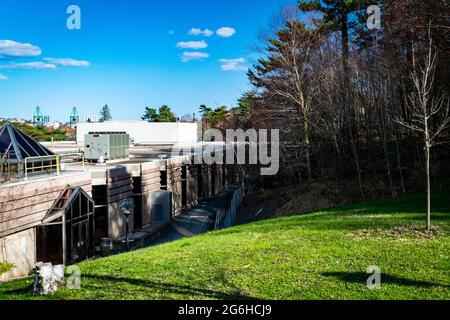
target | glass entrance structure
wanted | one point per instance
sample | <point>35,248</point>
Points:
<point>16,148</point>
<point>67,233</point>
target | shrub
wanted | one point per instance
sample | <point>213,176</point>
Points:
<point>5,267</point>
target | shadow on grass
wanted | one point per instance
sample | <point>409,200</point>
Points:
<point>22,291</point>
<point>361,277</point>
<point>19,289</point>
<point>172,288</point>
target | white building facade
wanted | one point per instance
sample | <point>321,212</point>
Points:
<point>143,132</point>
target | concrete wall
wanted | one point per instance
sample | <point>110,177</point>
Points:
<point>192,185</point>
<point>143,132</point>
<point>173,169</point>
<point>24,204</point>
<point>119,190</point>
<point>19,249</point>
<point>151,182</point>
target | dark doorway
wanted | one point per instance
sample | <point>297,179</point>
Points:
<point>49,246</point>
<point>80,241</point>
<point>137,199</point>
<point>224,175</point>
<point>184,184</point>
<point>213,179</point>
<point>200,181</point>
<point>99,194</point>
<point>163,180</point>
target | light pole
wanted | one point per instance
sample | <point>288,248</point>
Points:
<point>126,210</point>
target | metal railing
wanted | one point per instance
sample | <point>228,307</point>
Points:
<point>80,155</point>
<point>54,162</point>
<point>218,219</point>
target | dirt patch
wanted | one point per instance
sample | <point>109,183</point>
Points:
<point>264,203</point>
<point>402,232</point>
<point>312,198</point>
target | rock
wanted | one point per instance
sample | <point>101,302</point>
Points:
<point>48,278</point>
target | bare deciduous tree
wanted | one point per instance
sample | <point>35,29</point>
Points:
<point>428,113</point>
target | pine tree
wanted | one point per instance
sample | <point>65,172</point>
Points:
<point>150,114</point>
<point>105,114</point>
<point>164,114</point>
<point>337,16</point>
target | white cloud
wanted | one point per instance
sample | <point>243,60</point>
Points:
<point>226,32</point>
<point>233,64</point>
<point>28,65</point>
<point>2,77</point>
<point>188,56</point>
<point>192,45</point>
<point>198,32</point>
<point>9,48</point>
<point>67,62</point>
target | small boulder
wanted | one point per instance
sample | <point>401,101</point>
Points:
<point>48,278</point>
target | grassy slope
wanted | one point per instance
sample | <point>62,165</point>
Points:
<point>323,255</point>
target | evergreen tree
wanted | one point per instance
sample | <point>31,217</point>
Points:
<point>150,114</point>
<point>243,110</point>
<point>164,114</point>
<point>212,118</point>
<point>105,114</point>
<point>338,16</point>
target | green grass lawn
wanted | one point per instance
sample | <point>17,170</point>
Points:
<point>322,255</point>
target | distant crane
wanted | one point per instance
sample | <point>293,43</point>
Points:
<point>38,118</point>
<point>74,117</point>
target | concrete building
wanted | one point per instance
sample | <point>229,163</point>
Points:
<point>62,216</point>
<point>31,227</point>
<point>143,132</point>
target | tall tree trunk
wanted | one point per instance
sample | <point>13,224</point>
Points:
<point>355,155</point>
<point>385,149</point>
<point>428,188</point>
<point>427,159</point>
<point>346,93</point>
<point>345,49</point>
<point>336,147</point>
<point>399,162</point>
<point>307,148</point>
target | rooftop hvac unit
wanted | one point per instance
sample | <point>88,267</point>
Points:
<point>106,145</point>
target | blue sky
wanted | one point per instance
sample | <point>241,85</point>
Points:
<point>128,54</point>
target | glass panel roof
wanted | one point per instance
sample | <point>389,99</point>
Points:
<point>69,198</point>
<point>16,145</point>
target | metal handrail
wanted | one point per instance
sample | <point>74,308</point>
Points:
<point>43,158</point>
<point>74,154</point>
<point>58,158</point>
